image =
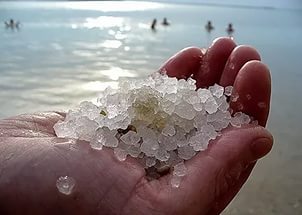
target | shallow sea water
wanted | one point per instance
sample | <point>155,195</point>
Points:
<point>66,52</point>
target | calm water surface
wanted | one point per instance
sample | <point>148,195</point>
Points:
<point>67,52</point>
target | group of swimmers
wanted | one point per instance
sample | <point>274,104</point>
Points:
<point>209,27</point>
<point>164,23</point>
<point>12,24</point>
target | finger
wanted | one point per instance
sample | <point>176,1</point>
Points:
<point>253,86</point>
<point>184,63</point>
<point>217,171</point>
<point>239,56</point>
<point>213,62</point>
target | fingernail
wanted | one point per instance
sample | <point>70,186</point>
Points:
<point>261,146</point>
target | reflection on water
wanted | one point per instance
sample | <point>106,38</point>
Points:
<point>98,86</point>
<point>103,22</point>
<point>114,44</point>
<point>115,73</point>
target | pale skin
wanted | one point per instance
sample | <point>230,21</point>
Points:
<point>32,157</point>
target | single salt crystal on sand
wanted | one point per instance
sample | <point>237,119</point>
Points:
<point>65,184</point>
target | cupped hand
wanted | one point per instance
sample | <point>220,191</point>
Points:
<point>32,158</point>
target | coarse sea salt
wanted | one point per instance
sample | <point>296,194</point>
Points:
<point>161,121</point>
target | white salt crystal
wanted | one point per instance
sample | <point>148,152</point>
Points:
<point>130,138</point>
<point>66,129</point>
<point>65,184</point>
<point>172,97</point>
<point>106,137</point>
<point>228,90</point>
<point>198,142</point>
<point>245,119</point>
<point>236,121</point>
<point>200,120</point>
<point>134,151</point>
<point>186,152</point>
<point>150,161</point>
<point>162,154</point>
<point>216,90</point>
<point>168,143</point>
<point>191,97</point>
<point>120,154</point>
<point>149,147</point>
<point>203,94</point>
<point>168,130</point>
<point>96,143</point>
<point>185,111</point>
<point>175,181</point>
<point>168,106</point>
<point>85,128</point>
<point>198,106</point>
<point>180,169</point>
<point>209,131</point>
<point>211,105</point>
<point>89,110</point>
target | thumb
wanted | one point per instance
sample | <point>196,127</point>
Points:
<point>221,170</point>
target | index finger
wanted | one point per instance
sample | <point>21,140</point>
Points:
<point>184,63</point>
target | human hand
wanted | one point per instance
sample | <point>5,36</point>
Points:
<point>32,157</point>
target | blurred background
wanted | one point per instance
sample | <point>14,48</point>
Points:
<point>55,54</point>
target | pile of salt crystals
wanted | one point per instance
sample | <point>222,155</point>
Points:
<point>161,121</point>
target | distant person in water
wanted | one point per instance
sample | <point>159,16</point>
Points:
<point>230,29</point>
<point>153,25</point>
<point>209,27</point>
<point>12,24</point>
<point>165,22</point>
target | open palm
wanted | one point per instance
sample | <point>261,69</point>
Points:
<point>32,157</point>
